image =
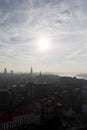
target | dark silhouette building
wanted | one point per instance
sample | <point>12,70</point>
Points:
<point>5,71</point>
<point>12,72</point>
<point>31,71</point>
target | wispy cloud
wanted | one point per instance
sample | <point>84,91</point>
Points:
<point>75,54</point>
<point>64,22</point>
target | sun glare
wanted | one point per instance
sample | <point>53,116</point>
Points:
<point>43,44</point>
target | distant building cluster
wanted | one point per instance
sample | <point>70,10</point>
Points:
<point>11,72</point>
<point>41,99</point>
<point>5,71</point>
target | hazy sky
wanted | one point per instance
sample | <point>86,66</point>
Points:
<point>23,23</point>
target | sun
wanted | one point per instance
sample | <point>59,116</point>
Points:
<point>43,43</point>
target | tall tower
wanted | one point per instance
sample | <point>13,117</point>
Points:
<point>5,71</point>
<point>31,71</point>
<point>40,74</point>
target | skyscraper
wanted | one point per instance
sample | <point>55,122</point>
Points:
<point>31,71</point>
<point>5,71</point>
<point>40,74</point>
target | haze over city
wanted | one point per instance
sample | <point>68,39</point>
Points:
<point>49,35</point>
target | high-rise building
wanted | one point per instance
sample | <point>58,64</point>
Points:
<point>31,71</point>
<point>5,71</point>
<point>40,74</point>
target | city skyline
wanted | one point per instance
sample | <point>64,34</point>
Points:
<point>49,35</point>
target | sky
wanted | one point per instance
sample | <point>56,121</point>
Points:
<point>60,26</point>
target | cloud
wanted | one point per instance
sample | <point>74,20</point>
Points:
<point>75,54</point>
<point>64,22</point>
